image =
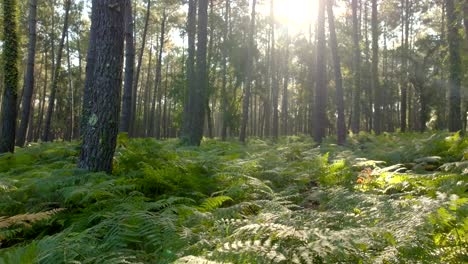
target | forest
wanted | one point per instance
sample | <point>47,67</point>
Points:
<point>233,131</point>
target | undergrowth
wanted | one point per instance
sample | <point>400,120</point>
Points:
<point>387,199</point>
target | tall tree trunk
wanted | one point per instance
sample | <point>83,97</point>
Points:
<point>274,79</point>
<point>154,119</point>
<point>56,76</point>
<point>195,120</point>
<point>321,85</point>
<point>10,69</point>
<point>147,97</point>
<point>29,76</point>
<point>191,85</point>
<point>455,65</point>
<point>341,123</point>
<point>356,115</point>
<point>129,70</point>
<point>138,70</point>
<point>284,106</point>
<point>404,85</point>
<point>43,99</point>
<point>224,94</point>
<point>376,89</point>
<point>102,125</point>
<point>248,78</point>
<point>71,95</point>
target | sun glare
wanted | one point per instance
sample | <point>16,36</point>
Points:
<point>296,14</point>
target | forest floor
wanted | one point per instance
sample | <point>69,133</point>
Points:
<point>395,198</point>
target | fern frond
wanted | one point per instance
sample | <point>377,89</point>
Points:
<point>27,219</point>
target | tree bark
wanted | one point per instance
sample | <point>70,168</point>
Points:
<point>29,76</point>
<point>129,70</point>
<point>101,126</point>
<point>10,81</point>
<point>455,65</point>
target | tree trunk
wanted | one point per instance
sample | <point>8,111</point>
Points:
<point>341,123</point>
<point>138,69</point>
<point>248,78</point>
<point>71,95</point>
<point>455,66</point>
<point>224,94</point>
<point>198,96</point>
<point>129,70</point>
<point>356,115</point>
<point>284,105</point>
<point>274,79</point>
<point>404,85</point>
<point>29,76</point>
<point>10,69</point>
<point>321,85</point>
<point>190,93</point>
<point>378,117</point>
<point>147,100</point>
<point>154,120</point>
<point>56,76</point>
<point>101,126</point>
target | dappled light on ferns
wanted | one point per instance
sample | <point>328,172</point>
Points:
<point>227,203</point>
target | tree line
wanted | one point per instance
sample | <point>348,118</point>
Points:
<point>221,68</point>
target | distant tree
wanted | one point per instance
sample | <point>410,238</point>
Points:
<point>248,74</point>
<point>133,115</point>
<point>378,114</point>
<point>129,70</point>
<point>356,113</point>
<point>46,136</point>
<point>341,124</point>
<point>455,66</point>
<point>195,112</point>
<point>103,84</point>
<point>320,114</point>
<point>10,69</point>
<point>29,76</point>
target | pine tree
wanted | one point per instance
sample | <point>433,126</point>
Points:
<point>103,84</point>
<point>10,68</point>
<point>29,76</point>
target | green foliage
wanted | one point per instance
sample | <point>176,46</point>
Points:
<point>286,202</point>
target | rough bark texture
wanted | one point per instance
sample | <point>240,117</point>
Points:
<point>29,76</point>
<point>320,123</point>
<point>129,70</point>
<point>103,89</point>
<point>455,66</point>
<point>248,76</point>
<point>53,89</point>
<point>10,69</point>
<point>356,114</point>
<point>341,123</point>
